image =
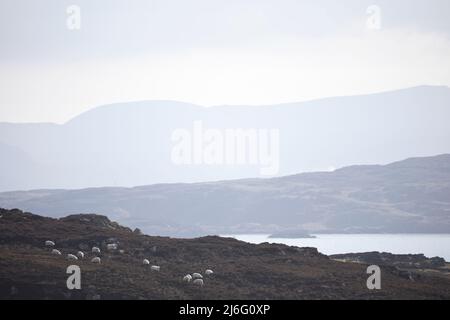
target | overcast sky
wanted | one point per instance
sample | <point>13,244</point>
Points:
<point>212,52</point>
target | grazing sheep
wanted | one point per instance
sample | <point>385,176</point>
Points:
<point>198,282</point>
<point>155,268</point>
<point>96,260</point>
<point>145,262</point>
<point>95,250</point>
<point>80,254</point>
<point>112,246</point>
<point>72,257</point>
<point>56,252</point>
<point>209,272</point>
<point>197,276</point>
<point>187,278</point>
<point>49,243</point>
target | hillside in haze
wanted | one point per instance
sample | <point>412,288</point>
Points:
<point>129,144</point>
<point>410,196</point>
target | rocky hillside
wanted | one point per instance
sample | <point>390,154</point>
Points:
<point>241,270</point>
<point>412,266</point>
<point>404,261</point>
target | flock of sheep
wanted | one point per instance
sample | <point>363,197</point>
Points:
<point>79,255</point>
<point>195,278</point>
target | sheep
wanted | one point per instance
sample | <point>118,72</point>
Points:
<point>72,257</point>
<point>56,252</point>
<point>145,262</point>
<point>95,250</point>
<point>198,282</point>
<point>209,272</point>
<point>80,254</point>
<point>197,276</point>
<point>96,260</point>
<point>49,243</point>
<point>155,268</point>
<point>187,278</point>
<point>112,246</point>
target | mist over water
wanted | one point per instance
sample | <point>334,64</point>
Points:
<point>431,245</point>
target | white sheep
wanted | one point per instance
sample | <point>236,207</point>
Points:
<point>209,272</point>
<point>71,257</point>
<point>198,282</point>
<point>49,243</point>
<point>145,262</point>
<point>95,250</point>
<point>155,268</point>
<point>197,276</point>
<point>80,254</point>
<point>112,246</point>
<point>56,252</point>
<point>96,260</point>
<point>187,278</point>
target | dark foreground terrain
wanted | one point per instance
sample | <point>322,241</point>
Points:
<point>241,270</point>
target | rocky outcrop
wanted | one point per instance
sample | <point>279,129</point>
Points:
<point>407,261</point>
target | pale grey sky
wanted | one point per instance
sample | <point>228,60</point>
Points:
<point>212,52</point>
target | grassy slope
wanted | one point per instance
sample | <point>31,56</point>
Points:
<point>242,271</point>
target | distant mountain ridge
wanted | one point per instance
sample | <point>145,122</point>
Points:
<point>410,196</point>
<point>129,144</point>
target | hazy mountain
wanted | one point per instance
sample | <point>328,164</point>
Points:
<point>407,196</point>
<point>17,168</point>
<point>129,144</point>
